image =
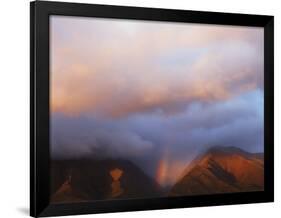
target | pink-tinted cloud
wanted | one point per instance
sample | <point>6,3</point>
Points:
<point>115,68</point>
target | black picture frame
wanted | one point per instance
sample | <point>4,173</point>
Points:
<point>40,113</point>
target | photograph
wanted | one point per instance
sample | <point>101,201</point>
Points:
<point>152,109</point>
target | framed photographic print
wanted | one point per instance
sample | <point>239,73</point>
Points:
<point>144,108</point>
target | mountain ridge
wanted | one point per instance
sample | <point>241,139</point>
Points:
<point>87,180</point>
<point>221,169</point>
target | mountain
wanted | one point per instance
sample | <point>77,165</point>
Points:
<point>221,170</point>
<point>87,180</point>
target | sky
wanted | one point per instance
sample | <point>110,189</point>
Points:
<point>155,93</point>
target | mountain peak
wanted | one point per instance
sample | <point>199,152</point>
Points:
<point>226,150</point>
<point>100,179</point>
<point>220,170</point>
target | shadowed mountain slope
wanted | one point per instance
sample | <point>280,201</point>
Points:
<point>87,180</point>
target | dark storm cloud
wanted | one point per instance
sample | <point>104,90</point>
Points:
<point>144,138</point>
<point>75,137</point>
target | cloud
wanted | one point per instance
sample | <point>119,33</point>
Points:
<point>89,137</point>
<point>148,139</point>
<point>149,66</point>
